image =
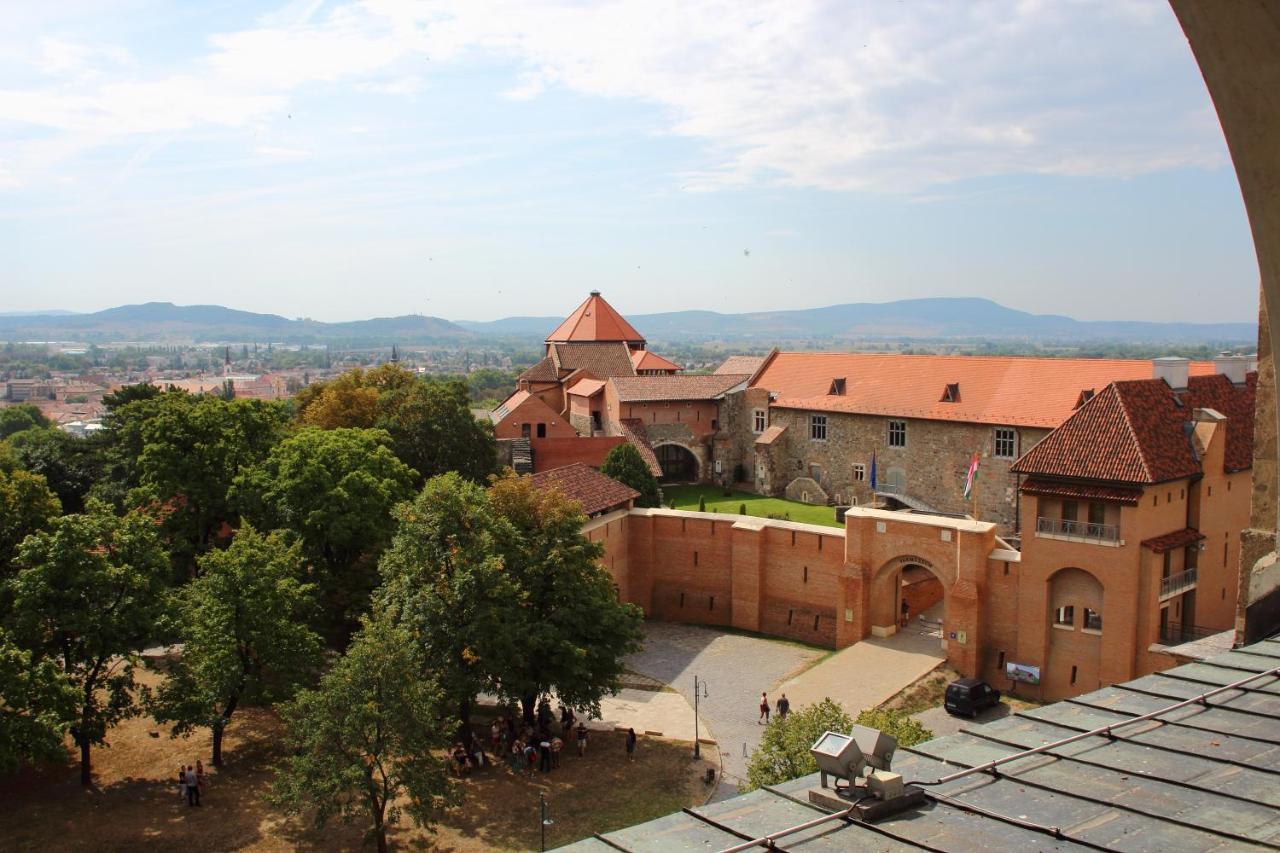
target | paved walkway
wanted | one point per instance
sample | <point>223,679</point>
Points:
<point>736,669</point>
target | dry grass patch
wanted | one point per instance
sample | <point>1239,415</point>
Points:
<point>134,803</point>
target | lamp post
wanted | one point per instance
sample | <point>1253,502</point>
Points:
<point>543,820</point>
<point>697,747</point>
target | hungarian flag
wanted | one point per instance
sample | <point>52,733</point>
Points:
<point>971,478</point>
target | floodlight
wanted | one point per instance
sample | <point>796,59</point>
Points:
<point>847,756</point>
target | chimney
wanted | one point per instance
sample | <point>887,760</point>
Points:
<point>1172,369</point>
<point>1234,367</point>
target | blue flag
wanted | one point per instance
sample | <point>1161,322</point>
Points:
<point>873,470</point>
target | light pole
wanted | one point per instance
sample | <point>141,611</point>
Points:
<point>543,820</point>
<point>697,747</point>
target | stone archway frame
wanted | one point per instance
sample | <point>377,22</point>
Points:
<point>697,458</point>
<point>897,564</point>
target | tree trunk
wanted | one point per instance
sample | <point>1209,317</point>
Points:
<point>217,746</point>
<point>219,729</point>
<point>86,771</point>
<point>529,705</point>
<point>464,723</point>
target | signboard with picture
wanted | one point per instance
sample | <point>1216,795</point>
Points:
<point>1022,672</point>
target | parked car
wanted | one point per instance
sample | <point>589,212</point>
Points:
<point>969,697</point>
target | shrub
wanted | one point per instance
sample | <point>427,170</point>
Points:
<point>742,509</point>
<point>906,730</point>
<point>702,503</point>
<point>783,753</point>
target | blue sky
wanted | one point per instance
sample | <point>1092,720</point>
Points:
<point>475,159</point>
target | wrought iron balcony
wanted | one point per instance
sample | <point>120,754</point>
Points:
<point>1174,584</point>
<point>1174,633</point>
<point>1084,531</point>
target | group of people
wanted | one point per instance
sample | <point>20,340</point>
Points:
<point>191,782</point>
<point>532,749</point>
<point>784,708</point>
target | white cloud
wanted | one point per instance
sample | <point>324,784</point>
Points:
<point>873,96</point>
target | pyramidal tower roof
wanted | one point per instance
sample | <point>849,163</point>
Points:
<point>595,320</point>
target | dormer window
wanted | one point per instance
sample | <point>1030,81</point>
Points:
<point>837,387</point>
<point>1085,396</point>
<point>951,394</point>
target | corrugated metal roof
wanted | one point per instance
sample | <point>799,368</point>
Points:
<point>1203,777</point>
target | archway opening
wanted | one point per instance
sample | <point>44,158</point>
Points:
<point>908,600</point>
<point>678,463</point>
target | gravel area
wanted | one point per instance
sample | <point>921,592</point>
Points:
<point>736,669</point>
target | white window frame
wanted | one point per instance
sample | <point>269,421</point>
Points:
<point>859,472</point>
<point>817,424</point>
<point>902,433</point>
<point>1006,437</point>
<point>759,420</point>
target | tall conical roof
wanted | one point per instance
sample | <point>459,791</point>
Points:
<point>595,320</point>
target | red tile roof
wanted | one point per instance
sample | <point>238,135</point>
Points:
<point>595,491</point>
<point>1081,491</point>
<point>633,431</point>
<point>1136,432</point>
<point>771,434</point>
<point>747,364</point>
<point>543,371</point>
<point>1032,392</point>
<point>595,320</point>
<point>601,359</point>
<point>1178,539</point>
<point>681,386</point>
<point>1216,392</point>
<point>586,387</point>
<point>644,359</point>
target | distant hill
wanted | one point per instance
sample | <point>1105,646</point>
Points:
<point>160,322</point>
<point>907,318</point>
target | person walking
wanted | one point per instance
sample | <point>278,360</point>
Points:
<point>182,782</point>
<point>193,787</point>
<point>582,739</point>
<point>516,755</point>
<point>556,745</point>
<point>784,707</point>
<point>906,613</point>
<point>764,709</point>
<point>631,744</point>
<point>531,757</point>
<point>199,776</point>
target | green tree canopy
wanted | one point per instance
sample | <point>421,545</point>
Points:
<point>71,465</point>
<point>368,736</point>
<point>244,625</point>
<point>336,489</point>
<point>434,432</point>
<point>902,727</point>
<point>26,506</point>
<point>24,416</point>
<point>192,448</point>
<point>783,753</point>
<point>87,595</point>
<point>36,701</point>
<point>444,581</point>
<point>576,632</point>
<point>625,464</point>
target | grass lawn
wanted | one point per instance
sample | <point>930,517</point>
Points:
<point>686,497</point>
<point>134,804</point>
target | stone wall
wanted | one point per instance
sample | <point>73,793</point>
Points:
<point>932,465</point>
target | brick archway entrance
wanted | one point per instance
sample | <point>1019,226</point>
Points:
<point>679,464</point>
<point>911,580</point>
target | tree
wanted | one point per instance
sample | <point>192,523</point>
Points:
<point>625,464</point>
<point>367,736</point>
<point>192,448</point>
<point>126,394</point>
<point>576,632</point>
<point>71,465</point>
<point>36,702</point>
<point>783,753</point>
<point>24,416</point>
<point>243,622</point>
<point>336,489</point>
<point>902,727</point>
<point>444,581</point>
<point>26,506</point>
<point>87,595</point>
<point>343,401</point>
<point>434,432</point>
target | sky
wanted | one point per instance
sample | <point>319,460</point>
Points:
<point>480,159</point>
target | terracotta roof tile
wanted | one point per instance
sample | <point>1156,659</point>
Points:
<point>1169,541</point>
<point>1216,392</point>
<point>770,435</point>
<point>601,359</point>
<point>644,359</point>
<point>543,371</point>
<point>633,431</point>
<point>595,491</point>
<point>595,320</point>
<point>681,386</point>
<point>747,364</point>
<point>1032,392</point>
<point>586,387</point>
<point>1137,432</point>
<point>1081,491</point>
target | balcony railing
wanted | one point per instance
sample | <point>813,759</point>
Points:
<point>1174,584</point>
<point>1173,633</point>
<point>1085,531</point>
